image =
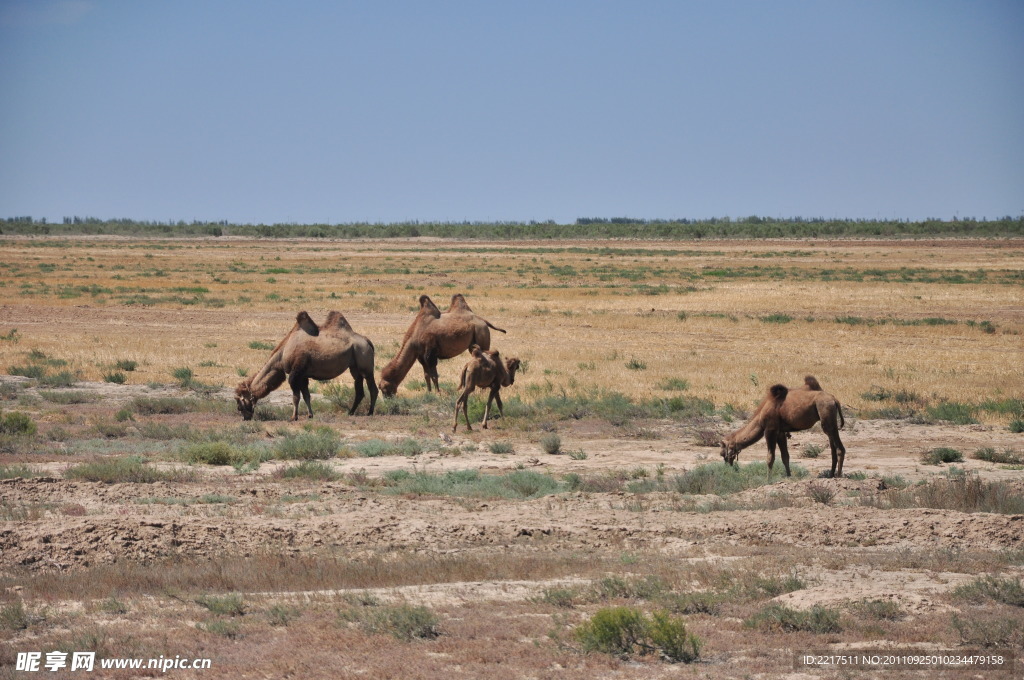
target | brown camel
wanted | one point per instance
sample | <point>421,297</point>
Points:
<point>485,370</point>
<point>311,351</point>
<point>790,410</point>
<point>434,335</point>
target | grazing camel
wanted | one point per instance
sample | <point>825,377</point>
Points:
<point>311,351</point>
<point>485,370</point>
<point>434,335</point>
<point>790,410</point>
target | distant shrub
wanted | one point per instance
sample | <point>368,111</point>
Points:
<point>636,365</point>
<point>551,443</point>
<point>130,469</point>
<point>719,479</point>
<point>225,605</point>
<point>779,618</point>
<point>1017,425</point>
<point>126,365</point>
<point>996,588</point>
<point>502,447</point>
<point>627,631</point>
<point>374,448</point>
<point>674,385</point>
<point>221,453</point>
<point>1007,457</point>
<point>821,493</point>
<point>810,451</point>
<point>776,318</point>
<point>308,469</point>
<point>954,412</point>
<point>943,454</point>
<point>162,405</point>
<point>404,622</point>
<point>17,424</point>
<point>318,444</point>
<point>183,375</point>
<point>116,377</point>
<point>257,344</point>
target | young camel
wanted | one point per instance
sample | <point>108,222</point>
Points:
<point>485,370</point>
<point>790,410</point>
<point>434,335</point>
<point>312,351</point>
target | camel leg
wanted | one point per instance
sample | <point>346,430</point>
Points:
<point>357,379</point>
<point>300,389</point>
<point>770,438</point>
<point>784,452</point>
<point>497,398</point>
<point>838,452</point>
<point>462,402</point>
<point>487,408</point>
<point>372,384</point>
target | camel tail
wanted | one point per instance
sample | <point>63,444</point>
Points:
<point>778,392</point>
<point>491,325</point>
<point>842,420</point>
<point>812,383</point>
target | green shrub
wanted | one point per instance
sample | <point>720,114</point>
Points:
<point>257,344</point>
<point>1007,457</point>
<point>551,443</point>
<point>943,454</point>
<point>404,622</point>
<point>636,365</point>
<point>318,444</point>
<point>625,631</point>
<point>1017,425</point>
<point>721,479</point>
<point>17,424</point>
<point>222,453</point>
<point>62,379</point>
<point>14,617</point>
<point>184,375</point>
<point>1006,590</point>
<point>779,618</point>
<point>811,451</point>
<point>309,469</point>
<point>126,365</point>
<point>776,318</point>
<point>12,471</point>
<point>374,448</point>
<point>674,385</point>
<point>954,412</point>
<point>502,447</point>
<point>162,405</point>
<point>116,377</point>
<point>130,469</point>
<point>225,605</point>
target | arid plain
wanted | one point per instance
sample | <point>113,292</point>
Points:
<point>140,517</point>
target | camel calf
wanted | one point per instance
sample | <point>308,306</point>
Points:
<point>787,410</point>
<point>485,370</point>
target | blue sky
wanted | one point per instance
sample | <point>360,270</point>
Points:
<point>303,111</point>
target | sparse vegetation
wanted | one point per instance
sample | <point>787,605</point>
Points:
<point>942,454</point>
<point>626,632</point>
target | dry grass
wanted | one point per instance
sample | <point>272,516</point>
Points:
<point>893,315</point>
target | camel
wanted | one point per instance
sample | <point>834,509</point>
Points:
<point>434,335</point>
<point>787,410</point>
<point>312,351</point>
<point>485,370</point>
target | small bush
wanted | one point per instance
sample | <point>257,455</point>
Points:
<point>184,375</point>
<point>674,385</point>
<point>990,455</point>
<point>1006,590</point>
<point>130,469</point>
<point>404,622</point>
<point>221,453</point>
<point>940,455</point>
<point>282,615</point>
<point>502,447</point>
<point>318,444</point>
<point>12,471</point>
<point>62,379</point>
<point>162,405</point>
<point>776,318</point>
<point>17,424</point>
<point>636,365</point>
<point>626,631</point>
<point>1017,425</point>
<point>989,629</point>
<point>954,412</point>
<point>551,443</point>
<point>226,605</point>
<point>882,610</point>
<point>810,451</point>
<point>309,469</point>
<point>14,617</point>
<point>779,618</point>
<point>821,493</point>
<point>257,344</point>
<point>373,448</point>
<point>116,377</point>
<point>126,365</point>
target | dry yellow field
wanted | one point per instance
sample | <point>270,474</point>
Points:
<point>146,520</point>
<point>939,319</point>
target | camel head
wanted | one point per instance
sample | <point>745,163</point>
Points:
<point>388,388</point>
<point>511,366</point>
<point>244,400</point>
<point>730,451</point>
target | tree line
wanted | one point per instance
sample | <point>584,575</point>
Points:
<point>585,227</point>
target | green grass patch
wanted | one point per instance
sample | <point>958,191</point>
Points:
<point>720,479</point>
<point>625,632</point>
<point>308,469</point>
<point>993,588</point>
<point>516,485</point>
<point>320,443</point>
<point>124,469</point>
<point>776,618</point>
<point>942,454</point>
<point>223,453</point>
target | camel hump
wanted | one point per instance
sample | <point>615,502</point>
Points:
<point>426,304</point>
<point>476,351</point>
<point>812,383</point>
<point>459,303</point>
<point>778,392</point>
<point>306,323</point>
<point>337,320</point>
